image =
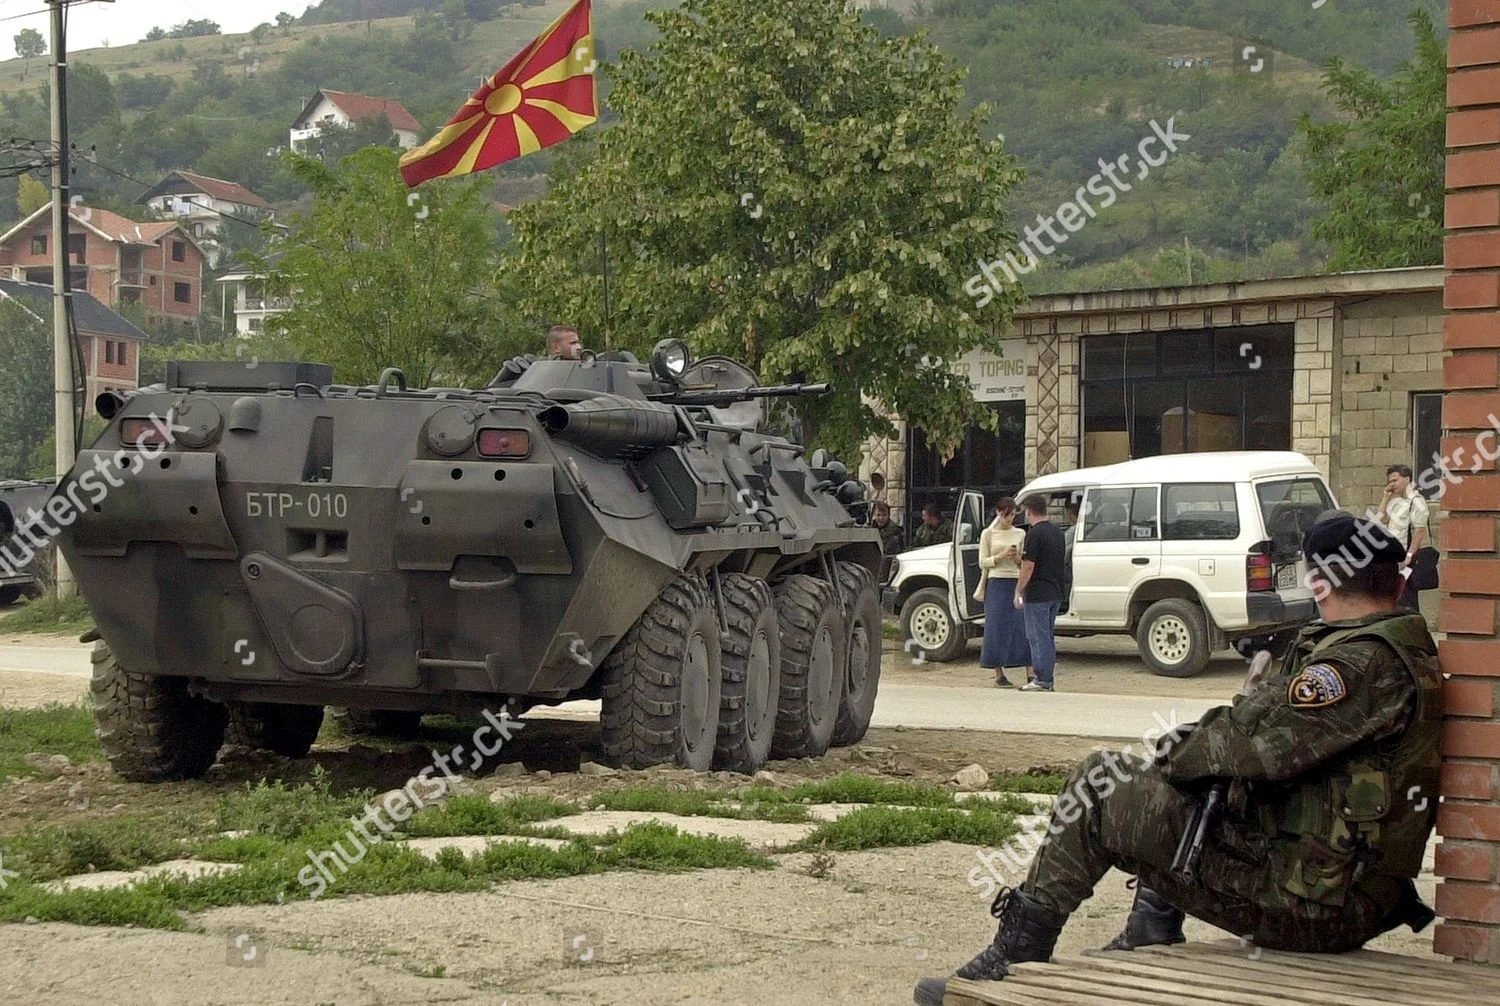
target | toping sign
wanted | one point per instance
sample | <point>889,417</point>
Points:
<point>996,376</point>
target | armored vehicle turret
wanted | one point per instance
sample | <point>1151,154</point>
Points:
<point>257,543</point>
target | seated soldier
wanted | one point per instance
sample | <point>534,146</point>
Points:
<point>1330,773</point>
<point>933,530</point>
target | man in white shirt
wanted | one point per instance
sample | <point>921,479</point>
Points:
<point>1404,513</point>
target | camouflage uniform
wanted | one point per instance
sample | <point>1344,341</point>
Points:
<point>890,537</point>
<point>926,534</point>
<point>1333,768</point>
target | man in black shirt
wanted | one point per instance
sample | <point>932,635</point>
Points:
<point>1039,591</point>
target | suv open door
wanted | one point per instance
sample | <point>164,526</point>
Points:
<point>963,559</point>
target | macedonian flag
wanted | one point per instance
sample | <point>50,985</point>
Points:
<point>541,97</point>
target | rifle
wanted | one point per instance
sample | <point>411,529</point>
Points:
<point>1190,847</point>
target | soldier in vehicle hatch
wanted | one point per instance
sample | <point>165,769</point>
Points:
<point>1328,775</point>
<point>563,343</point>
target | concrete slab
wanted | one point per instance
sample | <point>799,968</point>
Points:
<point>473,845</point>
<point>190,869</point>
<point>759,834</point>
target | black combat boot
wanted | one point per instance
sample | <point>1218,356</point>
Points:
<point>1153,922</point>
<point>1027,932</point>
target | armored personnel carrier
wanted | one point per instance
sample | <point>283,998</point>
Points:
<point>271,543</point>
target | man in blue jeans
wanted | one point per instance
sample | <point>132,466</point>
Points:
<point>1039,591</point>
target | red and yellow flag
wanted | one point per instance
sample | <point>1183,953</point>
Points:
<point>545,94</point>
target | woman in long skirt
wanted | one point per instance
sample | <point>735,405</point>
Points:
<point>999,567</point>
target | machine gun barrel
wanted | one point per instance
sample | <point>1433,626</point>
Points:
<point>732,395</point>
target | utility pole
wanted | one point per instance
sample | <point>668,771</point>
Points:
<point>62,340</point>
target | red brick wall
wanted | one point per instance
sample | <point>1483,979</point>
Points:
<point>100,257</point>
<point>1468,859</point>
<point>162,297</point>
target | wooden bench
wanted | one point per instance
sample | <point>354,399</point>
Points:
<point>1227,973</point>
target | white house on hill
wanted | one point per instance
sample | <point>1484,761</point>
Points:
<point>202,203</point>
<point>338,108</point>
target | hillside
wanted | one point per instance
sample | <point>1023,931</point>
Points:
<point>1069,83</point>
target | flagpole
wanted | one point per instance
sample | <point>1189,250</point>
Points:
<point>604,258</point>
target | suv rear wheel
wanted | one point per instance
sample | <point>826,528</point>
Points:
<point>929,628</point>
<point>1173,638</point>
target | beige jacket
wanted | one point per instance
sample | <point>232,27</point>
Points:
<point>993,542</point>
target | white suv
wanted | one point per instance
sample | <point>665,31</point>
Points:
<point>1186,552</point>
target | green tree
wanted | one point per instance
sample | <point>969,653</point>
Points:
<point>196,28</point>
<point>335,142</point>
<point>1379,172</point>
<point>787,187</point>
<point>259,32</point>
<point>31,196</point>
<point>385,278</point>
<point>284,21</point>
<point>155,34</point>
<point>26,393</point>
<point>29,45</point>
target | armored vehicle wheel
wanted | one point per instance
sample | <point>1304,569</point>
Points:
<point>151,729</point>
<point>751,656</point>
<point>662,682</point>
<point>862,677</point>
<point>813,653</point>
<point>400,723</point>
<point>270,726</point>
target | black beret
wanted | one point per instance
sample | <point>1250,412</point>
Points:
<point>1357,541</point>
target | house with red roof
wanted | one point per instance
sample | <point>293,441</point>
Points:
<point>339,108</point>
<point>156,265</point>
<point>202,204</point>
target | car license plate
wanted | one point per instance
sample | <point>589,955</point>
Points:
<point>1286,577</point>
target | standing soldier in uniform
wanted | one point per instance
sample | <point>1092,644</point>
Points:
<point>1330,771</point>
<point>890,535</point>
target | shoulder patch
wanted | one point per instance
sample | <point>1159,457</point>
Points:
<point>1318,685</point>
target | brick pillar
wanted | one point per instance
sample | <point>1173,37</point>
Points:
<point>1468,896</point>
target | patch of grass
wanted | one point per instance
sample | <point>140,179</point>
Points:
<point>662,848</point>
<point>851,788</point>
<point>1026,782</point>
<point>1012,803</point>
<point>270,874</point>
<point>885,827</point>
<point>700,803</point>
<point>278,810</point>
<point>45,614</point>
<point>890,628</point>
<point>476,815</point>
<point>54,729</point>
<point>822,865</point>
<point>115,844</point>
